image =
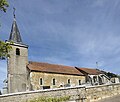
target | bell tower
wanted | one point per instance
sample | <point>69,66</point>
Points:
<point>16,63</point>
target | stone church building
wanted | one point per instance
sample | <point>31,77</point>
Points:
<point>23,75</point>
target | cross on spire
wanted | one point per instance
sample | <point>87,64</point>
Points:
<point>14,12</point>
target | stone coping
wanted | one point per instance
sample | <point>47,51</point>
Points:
<point>40,91</point>
<point>57,89</point>
<point>96,86</point>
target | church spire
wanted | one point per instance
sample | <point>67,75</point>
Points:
<point>15,34</point>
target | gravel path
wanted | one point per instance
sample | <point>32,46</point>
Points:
<point>111,99</point>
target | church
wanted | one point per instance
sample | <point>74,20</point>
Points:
<point>24,75</point>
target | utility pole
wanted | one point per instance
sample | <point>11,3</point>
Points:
<point>97,65</point>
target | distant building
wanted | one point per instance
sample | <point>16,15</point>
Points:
<point>94,76</point>
<point>115,80</point>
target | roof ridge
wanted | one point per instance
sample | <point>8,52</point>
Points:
<point>50,63</point>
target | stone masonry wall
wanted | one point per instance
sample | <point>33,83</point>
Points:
<point>60,79</point>
<point>77,94</point>
<point>16,73</point>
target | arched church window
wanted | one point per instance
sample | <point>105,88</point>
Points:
<point>68,81</point>
<point>41,81</point>
<point>79,82</point>
<point>17,51</point>
<point>53,81</point>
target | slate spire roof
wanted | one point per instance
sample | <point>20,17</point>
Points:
<point>15,34</point>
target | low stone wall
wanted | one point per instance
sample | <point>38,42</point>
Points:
<point>77,94</point>
<point>26,96</point>
<point>103,91</point>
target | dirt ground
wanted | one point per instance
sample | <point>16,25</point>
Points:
<point>111,99</point>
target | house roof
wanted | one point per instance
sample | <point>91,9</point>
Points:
<point>53,68</point>
<point>89,71</point>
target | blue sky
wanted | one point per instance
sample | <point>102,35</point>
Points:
<point>69,32</point>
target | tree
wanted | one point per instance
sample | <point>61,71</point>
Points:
<point>3,5</point>
<point>4,47</point>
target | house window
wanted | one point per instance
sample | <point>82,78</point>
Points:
<point>41,81</point>
<point>68,81</point>
<point>95,79</point>
<point>79,82</point>
<point>53,81</point>
<point>17,51</point>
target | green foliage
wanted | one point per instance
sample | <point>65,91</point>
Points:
<point>3,5</point>
<point>111,75</point>
<point>50,99</point>
<point>4,49</point>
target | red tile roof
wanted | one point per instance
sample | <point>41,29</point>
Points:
<point>89,71</point>
<point>53,68</point>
